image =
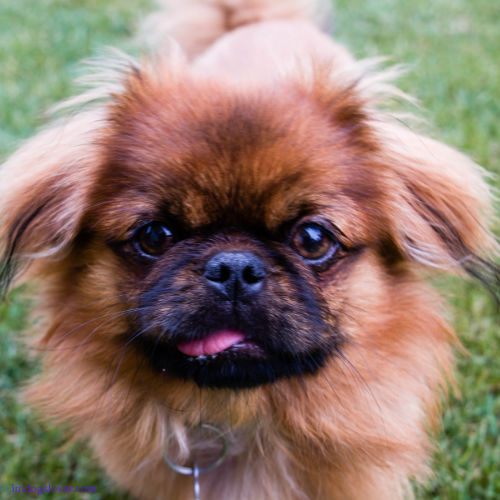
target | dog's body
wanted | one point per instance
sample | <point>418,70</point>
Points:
<point>269,125</point>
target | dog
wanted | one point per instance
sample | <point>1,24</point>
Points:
<point>234,234</point>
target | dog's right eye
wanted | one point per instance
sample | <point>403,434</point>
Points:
<point>153,239</point>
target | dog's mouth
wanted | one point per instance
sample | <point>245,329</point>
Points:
<point>224,342</point>
<point>229,358</point>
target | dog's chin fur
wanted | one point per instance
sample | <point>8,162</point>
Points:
<point>265,123</point>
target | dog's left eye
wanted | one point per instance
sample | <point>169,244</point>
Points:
<point>153,239</point>
<point>314,243</point>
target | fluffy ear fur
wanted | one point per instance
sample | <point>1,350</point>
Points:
<point>441,206</point>
<point>43,190</point>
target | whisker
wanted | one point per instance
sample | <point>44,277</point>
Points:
<point>135,335</point>
<point>113,385</point>
<point>132,382</point>
<point>338,332</point>
<point>139,366</point>
<point>117,314</point>
<point>328,382</point>
<point>357,376</point>
<point>102,300</point>
<point>357,322</point>
<point>275,387</point>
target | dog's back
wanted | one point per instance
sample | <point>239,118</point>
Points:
<point>249,39</point>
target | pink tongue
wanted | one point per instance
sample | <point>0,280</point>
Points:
<point>216,342</point>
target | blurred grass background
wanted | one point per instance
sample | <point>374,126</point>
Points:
<point>453,48</point>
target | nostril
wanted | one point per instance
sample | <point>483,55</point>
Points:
<point>225,273</point>
<point>218,273</point>
<point>252,275</point>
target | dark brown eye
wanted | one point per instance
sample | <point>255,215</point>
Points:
<point>153,239</point>
<point>312,242</point>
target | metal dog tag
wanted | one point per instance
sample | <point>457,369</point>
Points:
<point>195,471</point>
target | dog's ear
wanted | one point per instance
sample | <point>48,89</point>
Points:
<point>43,191</point>
<point>442,206</point>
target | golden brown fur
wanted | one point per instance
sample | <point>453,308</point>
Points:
<point>272,118</point>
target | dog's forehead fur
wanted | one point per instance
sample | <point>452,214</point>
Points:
<point>211,153</point>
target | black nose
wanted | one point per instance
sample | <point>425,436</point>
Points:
<point>236,274</point>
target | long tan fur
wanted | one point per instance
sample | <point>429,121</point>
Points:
<point>358,429</point>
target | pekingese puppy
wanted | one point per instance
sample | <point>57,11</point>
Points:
<point>234,234</point>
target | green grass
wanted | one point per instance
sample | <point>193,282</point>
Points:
<point>452,47</point>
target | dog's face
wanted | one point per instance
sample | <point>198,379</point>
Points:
<point>230,237</point>
<point>232,223</point>
<point>237,232</point>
